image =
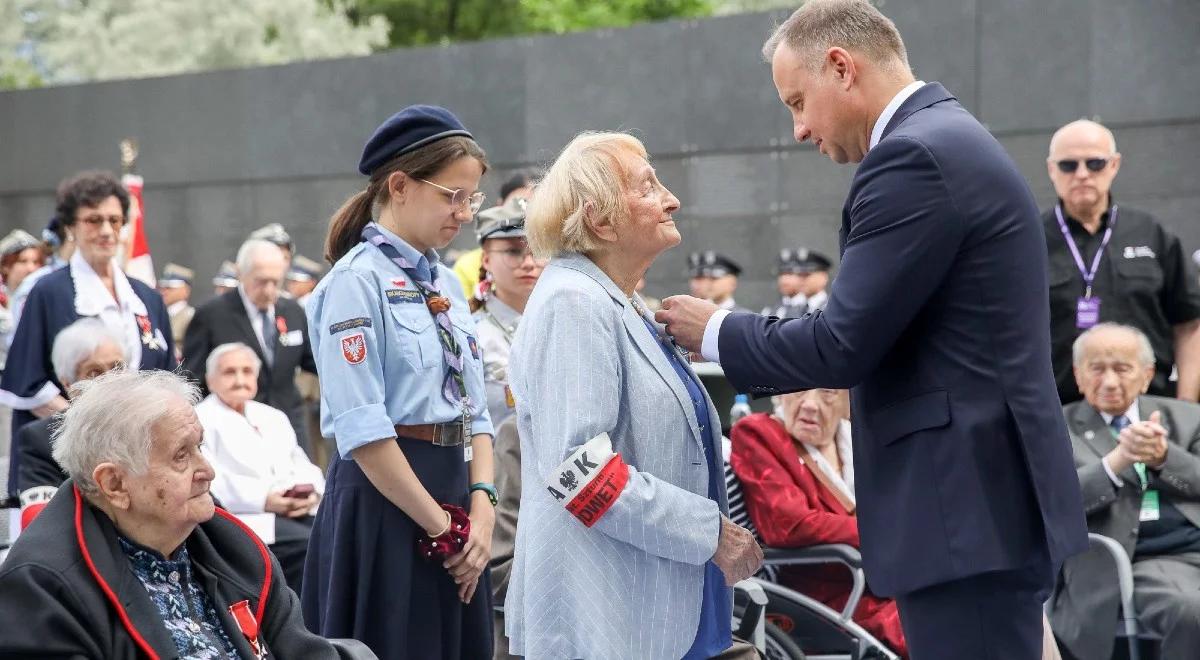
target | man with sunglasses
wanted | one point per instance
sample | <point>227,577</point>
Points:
<point>1112,263</point>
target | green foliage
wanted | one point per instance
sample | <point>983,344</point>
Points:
<point>422,22</point>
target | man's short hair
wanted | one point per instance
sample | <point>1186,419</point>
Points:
<point>851,24</point>
<point>248,253</point>
<point>74,343</point>
<point>517,181</point>
<point>1145,350</point>
<point>213,362</point>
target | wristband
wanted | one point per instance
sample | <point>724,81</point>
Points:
<point>490,489</point>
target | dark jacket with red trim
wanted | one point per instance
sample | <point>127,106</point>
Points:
<point>53,600</point>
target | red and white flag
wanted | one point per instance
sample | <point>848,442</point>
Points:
<point>135,256</point>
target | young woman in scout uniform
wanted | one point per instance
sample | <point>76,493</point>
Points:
<point>399,549</point>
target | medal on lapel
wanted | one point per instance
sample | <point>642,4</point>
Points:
<point>248,625</point>
<point>281,328</point>
<point>148,339</point>
<point>438,304</point>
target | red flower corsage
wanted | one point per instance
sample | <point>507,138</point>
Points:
<point>451,541</point>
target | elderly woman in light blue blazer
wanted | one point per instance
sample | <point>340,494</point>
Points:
<point>623,547</point>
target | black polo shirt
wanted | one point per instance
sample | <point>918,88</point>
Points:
<point>1144,280</point>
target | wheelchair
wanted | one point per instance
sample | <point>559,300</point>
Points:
<point>1132,643</point>
<point>814,630</point>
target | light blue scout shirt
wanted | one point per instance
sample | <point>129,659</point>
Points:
<point>377,348</point>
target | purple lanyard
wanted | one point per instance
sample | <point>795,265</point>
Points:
<point>1088,276</point>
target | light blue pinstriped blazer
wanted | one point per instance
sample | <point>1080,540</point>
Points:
<point>583,363</point>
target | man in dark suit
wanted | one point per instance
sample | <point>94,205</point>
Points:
<point>1140,475</point>
<point>939,323</point>
<point>256,315</point>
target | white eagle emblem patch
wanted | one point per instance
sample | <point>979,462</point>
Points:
<point>354,348</point>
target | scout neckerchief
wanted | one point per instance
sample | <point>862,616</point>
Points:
<point>1087,308</point>
<point>453,386</point>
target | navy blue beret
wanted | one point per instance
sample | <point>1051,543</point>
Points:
<point>411,128</point>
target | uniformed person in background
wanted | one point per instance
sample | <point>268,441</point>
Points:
<point>698,282</point>
<point>509,271</point>
<point>175,286</point>
<point>275,233</point>
<point>399,550</point>
<point>466,266</point>
<point>792,301</point>
<point>226,279</point>
<point>721,274</point>
<point>813,271</point>
<point>302,277</point>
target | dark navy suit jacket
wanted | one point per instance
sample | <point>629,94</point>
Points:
<point>939,323</point>
<point>50,308</point>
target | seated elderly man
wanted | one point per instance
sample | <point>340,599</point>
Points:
<point>263,476</point>
<point>797,476</point>
<point>131,559</point>
<point>1141,486</point>
<point>83,350</point>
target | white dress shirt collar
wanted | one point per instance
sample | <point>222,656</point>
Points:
<point>92,297</point>
<point>1134,414</point>
<point>818,300</point>
<point>890,109</point>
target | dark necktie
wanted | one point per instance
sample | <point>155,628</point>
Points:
<point>1118,424</point>
<point>270,337</point>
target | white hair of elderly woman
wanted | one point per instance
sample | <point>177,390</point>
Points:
<point>112,420</point>
<point>77,341</point>
<point>214,358</point>
<point>250,251</point>
<point>586,178</point>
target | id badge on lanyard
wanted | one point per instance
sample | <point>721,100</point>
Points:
<point>1087,308</point>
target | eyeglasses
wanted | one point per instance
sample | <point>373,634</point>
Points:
<point>94,221</point>
<point>459,197</point>
<point>1068,166</point>
<point>513,257</point>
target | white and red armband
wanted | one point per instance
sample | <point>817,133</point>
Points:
<point>590,480</point>
<point>33,500</point>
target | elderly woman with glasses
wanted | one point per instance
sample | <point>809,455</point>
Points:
<point>623,546</point>
<point>92,206</point>
<point>131,559</point>
<point>796,469</point>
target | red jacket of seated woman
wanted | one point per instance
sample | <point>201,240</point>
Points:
<point>792,508</point>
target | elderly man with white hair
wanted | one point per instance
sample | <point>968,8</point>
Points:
<point>131,558</point>
<point>263,476</point>
<point>1140,476</point>
<point>255,314</point>
<point>83,350</point>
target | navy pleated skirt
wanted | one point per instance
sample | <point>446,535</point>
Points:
<point>364,580</point>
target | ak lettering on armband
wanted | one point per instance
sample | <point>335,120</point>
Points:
<point>590,480</point>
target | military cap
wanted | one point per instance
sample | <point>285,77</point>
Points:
<point>227,275</point>
<point>304,269</point>
<point>409,129</point>
<point>714,264</point>
<point>506,221</point>
<point>174,275</point>
<point>17,240</point>
<point>802,260</point>
<point>273,233</point>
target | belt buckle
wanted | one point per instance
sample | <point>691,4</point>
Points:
<point>446,435</point>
